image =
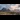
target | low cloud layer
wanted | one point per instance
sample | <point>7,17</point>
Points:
<point>14,7</point>
<point>4,6</point>
<point>10,6</point>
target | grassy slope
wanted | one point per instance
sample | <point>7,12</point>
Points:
<point>8,13</point>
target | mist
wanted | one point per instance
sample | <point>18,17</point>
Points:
<point>4,6</point>
<point>8,6</point>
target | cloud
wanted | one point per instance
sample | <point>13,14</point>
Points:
<point>4,6</point>
<point>10,6</point>
<point>14,7</point>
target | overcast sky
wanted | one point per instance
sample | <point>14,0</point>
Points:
<point>6,5</point>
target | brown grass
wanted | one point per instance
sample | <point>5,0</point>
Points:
<point>8,13</point>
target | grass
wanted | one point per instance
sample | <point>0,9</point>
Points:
<point>8,13</point>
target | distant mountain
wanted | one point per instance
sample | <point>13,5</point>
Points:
<point>4,9</point>
<point>4,6</point>
<point>8,10</point>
